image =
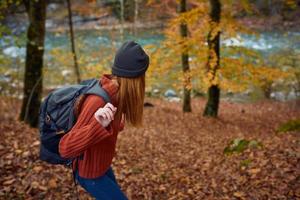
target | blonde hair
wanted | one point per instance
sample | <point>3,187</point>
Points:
<point>130,100</point>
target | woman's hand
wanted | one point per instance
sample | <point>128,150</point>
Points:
<point>106,114</point>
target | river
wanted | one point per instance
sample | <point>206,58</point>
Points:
<point>96,40</point>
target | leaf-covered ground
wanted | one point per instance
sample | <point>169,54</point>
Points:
<point>175,156</point>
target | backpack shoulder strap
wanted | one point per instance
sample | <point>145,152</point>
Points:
<point>98,90</point>
<point>93,88</point>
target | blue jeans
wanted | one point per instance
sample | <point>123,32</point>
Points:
<point>102,188</point>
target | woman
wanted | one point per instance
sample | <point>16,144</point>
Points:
<point>95,133</point>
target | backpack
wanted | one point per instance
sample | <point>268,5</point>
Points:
<point>56,117</point>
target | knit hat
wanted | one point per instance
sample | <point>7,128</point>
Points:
<point>130,60</point>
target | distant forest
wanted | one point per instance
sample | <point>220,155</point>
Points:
<point>276,12</point>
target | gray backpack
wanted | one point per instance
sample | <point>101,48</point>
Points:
<point>57,117</point>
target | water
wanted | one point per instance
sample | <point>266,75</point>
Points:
<point>91,41</point>
<point>266,41</point>
<point>86,42</point>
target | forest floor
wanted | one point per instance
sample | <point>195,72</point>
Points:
<point>174,156</point>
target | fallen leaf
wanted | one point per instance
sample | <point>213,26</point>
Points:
<point>9,156</point>
<point>239,195</point>
<point>43,188</point>
<point>52,183</point>
<point>18,151</point>
<point>254,171</point>
<point>36,143</point>
<point>34,184</point>
<point>8,182</point>
<point>37,168</point>
<point>25,154</point>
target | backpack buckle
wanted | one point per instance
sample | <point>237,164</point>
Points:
<point>60,132</point>
<point>48,119</point>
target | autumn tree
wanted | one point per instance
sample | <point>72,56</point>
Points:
<point>76,67</point>
<point>213,41</point>
<point>33,78</point>
<point>185,62</point>
<point>235,70</point>
<point>136,15</point>
<point>128,7</point>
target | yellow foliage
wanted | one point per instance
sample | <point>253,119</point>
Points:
<point>291,3</point>
<point>234,73</point>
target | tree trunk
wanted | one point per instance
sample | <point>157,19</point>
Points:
<point>212,105</point>
<point>122,19</point>
<point>185,63</point>
<point>73,43</point>
<point>136,15</point>
<point>267,89</point>
<point>33,77</point>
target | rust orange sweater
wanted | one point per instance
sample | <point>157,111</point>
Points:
<point>89,137</point>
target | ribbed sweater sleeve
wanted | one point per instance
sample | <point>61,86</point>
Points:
<point>87,130</point>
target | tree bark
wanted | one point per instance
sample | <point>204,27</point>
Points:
<point>212,105</point>
<point>33,77</point>
<point>186,107</point>
<point>122,19</point>
<point>136,15</point>
<point>76,67</point>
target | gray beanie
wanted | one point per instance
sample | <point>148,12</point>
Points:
<point>130,60</point>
